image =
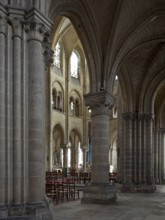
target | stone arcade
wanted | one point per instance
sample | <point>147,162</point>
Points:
<point>44,107</point>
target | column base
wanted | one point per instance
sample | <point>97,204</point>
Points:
<point>128,188</point>
<point>42,211</point>
<point>144,188</point>
<point>140,188</point>
<point>99,194</point>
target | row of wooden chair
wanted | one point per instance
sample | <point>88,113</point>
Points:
<point>60,191</point>
<point>58,176</point>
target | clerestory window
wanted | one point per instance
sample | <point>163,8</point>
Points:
<point>74,65</point>
<point>57,55</point>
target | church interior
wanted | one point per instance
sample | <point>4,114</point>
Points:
<point>82,114</point>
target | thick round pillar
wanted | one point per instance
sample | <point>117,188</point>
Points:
<point>99,191</point>
<point>36,114</point>
<point>2,110</point>
<point>100,145</point>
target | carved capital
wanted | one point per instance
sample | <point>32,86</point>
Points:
<point>162,130</point>
<point>48,52</point>
<point>101,98</point>
<point>128,116</point>
<point>100,102</point>
<point>3,25</point>
<point>84,148</point>
<point>17,27</point>
<point>35,30</point>
<point>148,117</point>
<point>137,116</point>
<point>140,116</point>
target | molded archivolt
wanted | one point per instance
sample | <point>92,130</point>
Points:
<point>75,11</point>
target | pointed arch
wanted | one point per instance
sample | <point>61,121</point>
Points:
<point>150,90</point>
<point>78,15</point>
<point>129,44</point>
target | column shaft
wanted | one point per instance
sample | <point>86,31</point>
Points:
<point>2,111</point>
<point>128,149</point>
<point>17,163</point>
<point>36,113</point>
<point>160,156</point>
<point>156,155</point>
<point>100,150</point>
<point>99,191</point>
<point>139,139</point>
<point>135,150</point>
<point>149,148</point>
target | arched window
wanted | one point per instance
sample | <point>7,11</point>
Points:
<point>74,65</point>
<point>57,55</point>
<point>71,106</point>
<point>59,101</point>
<point>77,108</point>
<point>54,98</point>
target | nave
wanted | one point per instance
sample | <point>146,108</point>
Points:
<point>129,206</point>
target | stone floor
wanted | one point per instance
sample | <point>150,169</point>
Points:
<point>140,206</point>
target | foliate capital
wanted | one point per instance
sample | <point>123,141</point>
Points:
<point>137,116</point>
<point>148,117</point>
<point>17,27</point>
<point>100,102</point>
<point>128,116</point>
<point>35,30</point>
<point>48,52</point>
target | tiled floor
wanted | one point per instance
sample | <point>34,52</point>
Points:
<point>139,206</point>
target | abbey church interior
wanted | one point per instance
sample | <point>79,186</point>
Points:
<point>82,113</point>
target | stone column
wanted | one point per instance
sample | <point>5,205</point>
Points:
<point>160,157</point>
<point>2,112</point>
<point>85,148</point>
<point>156,156</point>
<point>38,206</point>
<point>100,191</point>
<point>135,148</point>
<point>65,155</point>
<point>36,112</point>
<point>163,155</point>
<point>148,127</point>
<point>48,58</point>
<point>139,148</point>
<point>128,152</point>
<point>17,148</point>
